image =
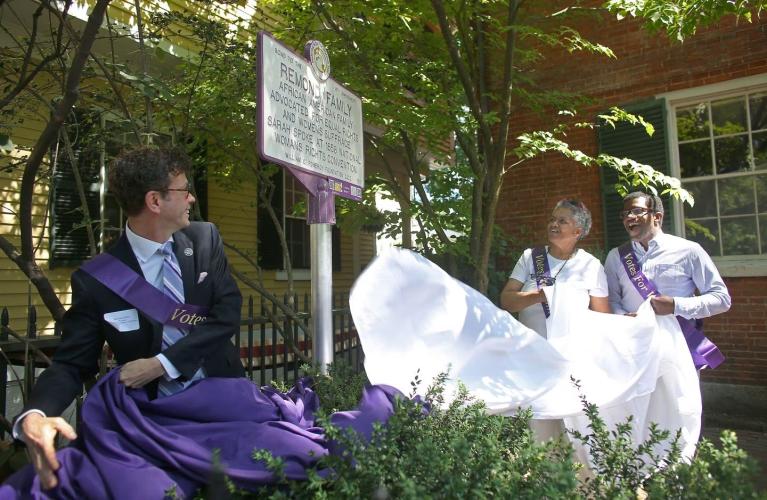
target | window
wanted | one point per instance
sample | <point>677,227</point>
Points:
<point>721,148</point>
<point>287,196</point>
<point>95,141</point>
<point>69,238</point>
<point>296,228</point>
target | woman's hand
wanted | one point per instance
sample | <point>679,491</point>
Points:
<point>514,300</point>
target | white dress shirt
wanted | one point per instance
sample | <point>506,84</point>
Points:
<point>150,260</point>
<point>677,267</point>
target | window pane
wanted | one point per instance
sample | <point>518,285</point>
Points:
<point>736,196</point>
<point>295,197</point>
<point>761,193</point>
<point>705,199</point>
<point>297,235</point>
<point>758,103</point>
<point>695,159</point>
<point>705,232</point>
<point>739,236</point>
<point>760,150</point>
<point>731,154</point>
<point>729,116</point>
<point>692,122</point>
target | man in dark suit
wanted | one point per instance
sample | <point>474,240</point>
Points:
<point>151,186</point>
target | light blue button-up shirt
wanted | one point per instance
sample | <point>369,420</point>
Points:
<point>677,267</point>
<point>150,259</point>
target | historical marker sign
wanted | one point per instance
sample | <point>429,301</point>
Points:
<point>309,121</point>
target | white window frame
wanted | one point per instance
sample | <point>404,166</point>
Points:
<point>299,274</point>
<point>729,266</point>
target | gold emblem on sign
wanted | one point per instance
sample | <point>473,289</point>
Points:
<point>318,58</point>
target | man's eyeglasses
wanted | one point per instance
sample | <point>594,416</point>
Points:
<point>636,212</point>
<point>186,189</point>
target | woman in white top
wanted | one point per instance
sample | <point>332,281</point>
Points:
<point>569,223</point>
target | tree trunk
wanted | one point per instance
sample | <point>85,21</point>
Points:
<point>26,261</point>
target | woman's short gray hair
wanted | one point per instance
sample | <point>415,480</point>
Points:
<point>581,214</point>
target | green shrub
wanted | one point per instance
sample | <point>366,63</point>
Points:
<point>339,389</point>
<point>622,471</point>
<point>460,451</point>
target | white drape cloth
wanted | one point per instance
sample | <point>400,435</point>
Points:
<point>411,315</point>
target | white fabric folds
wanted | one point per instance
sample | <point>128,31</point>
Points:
<point>411,315</point>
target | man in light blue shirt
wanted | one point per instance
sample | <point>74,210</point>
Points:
<point>676,266</point>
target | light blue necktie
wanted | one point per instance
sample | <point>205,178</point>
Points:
<point>173,287</point>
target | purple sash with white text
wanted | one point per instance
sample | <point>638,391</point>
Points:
<point>134,289</point>
<point>704,352</point>
<point>542,273</point>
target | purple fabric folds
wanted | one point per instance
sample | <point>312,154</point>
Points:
<point>130,447</point>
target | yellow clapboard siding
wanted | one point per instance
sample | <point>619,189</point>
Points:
<point>234,211</point>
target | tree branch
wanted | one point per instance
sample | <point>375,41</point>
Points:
<point>463,73</point>
<point>36,275</point>
<point>24,78</point>
<point>507,85</point>
<point>144,68</point>
<point>415,177</point>
<point>80,191</point>
<point>261,290</point>
<point>46,138</point>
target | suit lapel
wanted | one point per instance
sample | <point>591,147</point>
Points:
<point>123,251</point>
<point>184,250</point>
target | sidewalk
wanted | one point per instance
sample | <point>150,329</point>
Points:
<point>752,437</point>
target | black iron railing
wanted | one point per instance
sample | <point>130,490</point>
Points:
<point>273,346</point>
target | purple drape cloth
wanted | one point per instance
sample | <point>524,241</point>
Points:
<point>130,447</point>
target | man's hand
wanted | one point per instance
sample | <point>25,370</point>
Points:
<point>39,432</point>
<point>140,372</point>
<point>662,304</point>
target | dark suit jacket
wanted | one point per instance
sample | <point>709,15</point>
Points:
<point>84,329</point>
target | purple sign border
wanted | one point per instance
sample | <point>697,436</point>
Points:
<point>310,180</point>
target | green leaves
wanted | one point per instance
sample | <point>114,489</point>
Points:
<point>632,175</point>
<point>618,115</point>
<point>680,19</point>
<point>635,176</point>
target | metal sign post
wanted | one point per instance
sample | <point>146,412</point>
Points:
<point>312,125</point>
<point>321,210</point>
<point>322,293</point>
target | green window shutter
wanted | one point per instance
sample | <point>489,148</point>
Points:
<point>631,141</point>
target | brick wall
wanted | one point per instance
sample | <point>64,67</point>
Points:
<point>741,334</point>
<point>646,65</point>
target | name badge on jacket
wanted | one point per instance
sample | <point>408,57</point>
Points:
<point>123,321</point>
